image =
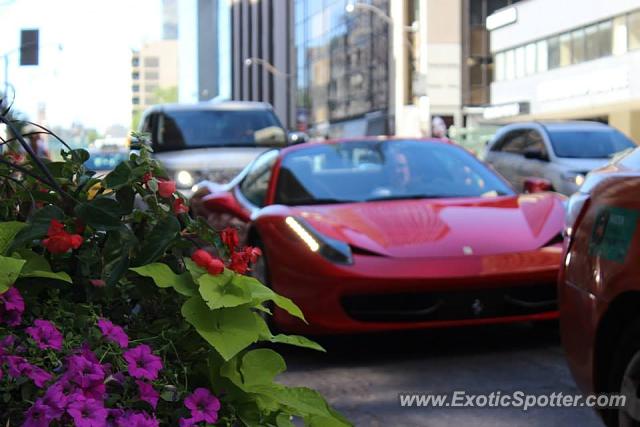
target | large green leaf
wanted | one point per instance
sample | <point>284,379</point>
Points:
<point>119,177</point>
<point>37,266</point>
<point>228,330</point>
<point>158,241</point>
<point>261,366</point>
<point>37,226</point>
<point>219,291</point>
<point>8,231</point>
<point>9,271</point>
<point>101,213</point>
<point>261,293</point>
<point>296,340</point>
<point>164,277</point>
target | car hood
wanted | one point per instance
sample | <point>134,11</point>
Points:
<point>204,159</point>
<point>442,227</point>
<point>580,165</point>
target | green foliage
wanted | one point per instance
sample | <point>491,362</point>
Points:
<point>132,266</point>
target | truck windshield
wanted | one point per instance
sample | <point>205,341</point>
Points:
<point>179,130</point>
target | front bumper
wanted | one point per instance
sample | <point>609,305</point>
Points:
<point>379,293</point>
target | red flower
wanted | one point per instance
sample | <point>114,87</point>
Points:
<point>215,267</point>
<point>252,253</point>
<point>98,283</point>
<point>239,262</point>
<point>147,177</point>
<point>229,237</point>
<point>58,241</point>
<point>202,258</point>
<point>179,207</point>
<point>166,188</point>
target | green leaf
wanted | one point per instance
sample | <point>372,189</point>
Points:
<point>8,231</point>
<point>37,266</point>
<point>126,198</point>
<point>119,177</point>
<point>9,271</point>
<point>261,293</point>
<point>37,226</point>
<point>284,420</point>
<point>116,254</point>
<point>158,241</point>
<point>228,330</point>
<point>219,291</point>
<point>101,213</point>
<point>164,277</point>
<point>261,366</point>
<point>297,340</point>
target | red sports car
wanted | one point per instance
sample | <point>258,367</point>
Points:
<point>384,234</point>
<point>599,288</point>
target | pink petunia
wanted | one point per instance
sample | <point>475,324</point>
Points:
<point>142,363</point>
<point>113,333</point>
<point>204,406</point>
<point>45,334</point>
<point>147,393</point>
<point>11,307</point>
<point>38,415</point>
<point>84,372</point>
<point>87,412</point>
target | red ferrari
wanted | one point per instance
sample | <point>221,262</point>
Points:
<point>386,234</point>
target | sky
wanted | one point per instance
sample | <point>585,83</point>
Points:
<point>88,80</point>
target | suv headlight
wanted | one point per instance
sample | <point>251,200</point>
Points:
<point>576,178</point>
<point>334,250</point>
<point>184,179</point>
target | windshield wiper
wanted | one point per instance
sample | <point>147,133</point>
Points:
<point>326,201</point>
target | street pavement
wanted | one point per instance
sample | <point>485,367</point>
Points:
<point>362,375</point>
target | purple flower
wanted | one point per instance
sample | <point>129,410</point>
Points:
<point>15,365</point>
<point>55,408</point>
<point>187,422</point>
<point>137,419</point>
<point>37,416</point>
<point>84,372</point>
<point>142,363</point>
<point>204,406</point>
<point>45,334</point>
<point>6,343</point>
<point>113,416</point>
<point>113,333</point>
<point>62,392</point>
<point>147,393</point>
<point>87,412</point>
<point>11,307</point>
<point>38,375</point>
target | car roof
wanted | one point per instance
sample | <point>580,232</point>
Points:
<point>305,145</point>
<point>559,125</point>
<point>212,106</point>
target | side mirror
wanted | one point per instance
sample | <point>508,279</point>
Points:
<point>537,185</point>
<point>298,137</point>
<point>537,155</point>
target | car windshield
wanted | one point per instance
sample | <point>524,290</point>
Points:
<point>179,130</point>
<point>105,160</point>
<point>588,144</point>
<point>383,170</point>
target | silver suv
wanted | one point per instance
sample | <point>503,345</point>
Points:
<point>560,152</point>
<point>210,141</point>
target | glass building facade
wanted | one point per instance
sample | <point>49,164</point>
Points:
<point>342,61</point>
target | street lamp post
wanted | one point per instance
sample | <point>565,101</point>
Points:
<point>248,62</point>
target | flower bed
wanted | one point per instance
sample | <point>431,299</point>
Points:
<point>112,315</point>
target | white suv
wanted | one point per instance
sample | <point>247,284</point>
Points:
<point>560,152</point>
<point>211,141</point>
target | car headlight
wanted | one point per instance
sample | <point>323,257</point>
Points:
<point>332,249</point>
<point>574,178</point>
<point>184,179</point>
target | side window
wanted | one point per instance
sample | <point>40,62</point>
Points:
<point>536,143</point>
<point>513,142</point>
<point>254,186</point>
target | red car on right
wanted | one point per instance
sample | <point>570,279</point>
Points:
<point>599,286</point>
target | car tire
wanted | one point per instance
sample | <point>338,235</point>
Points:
<point>624,378</point>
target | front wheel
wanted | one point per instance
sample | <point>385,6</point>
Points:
<point>625,379</point>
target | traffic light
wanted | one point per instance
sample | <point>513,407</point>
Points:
<point>29,47</point>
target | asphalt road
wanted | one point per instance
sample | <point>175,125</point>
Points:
<point>362,375</point>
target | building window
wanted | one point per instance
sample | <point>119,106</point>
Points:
<point>530,58</point>
<point>565,50</point>
<point>520,66</point>
<point>135,88</point>
<point>543,56</point>
<point>135,100</point>
<point>499,64</point>
<point>633,30</point>
<point>577,46</point>
<point>619,35</point>
<point>150,88</point>
<point>135,61</point>
<point>605,38</point>
<point>510,70</point>
<point>151,75</point>
<point>135,75</point>
<point>151,61</point>
<point>553,52</point>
